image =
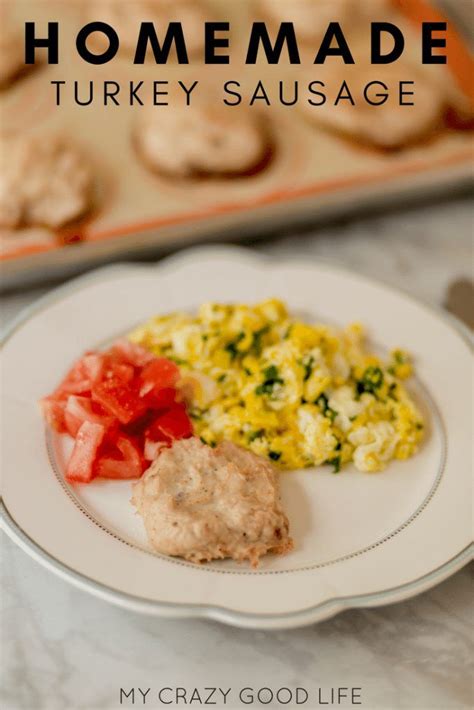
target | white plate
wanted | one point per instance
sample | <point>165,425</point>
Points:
<point>361,540</point>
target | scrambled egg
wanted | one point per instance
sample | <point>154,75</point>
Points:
<point>299,394</point>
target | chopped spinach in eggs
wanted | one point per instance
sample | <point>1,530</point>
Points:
<point>298,394</point>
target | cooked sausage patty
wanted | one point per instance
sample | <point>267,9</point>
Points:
<point>203,504</point>
<point>45,180</point>
<point>208,141</point>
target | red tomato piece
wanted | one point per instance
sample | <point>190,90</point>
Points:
<point>80,468</point>
<point>81,409</point>
<point>120,371</point>
<point>152,449</point>
<point>159,374</point>
<point>77,380</point>
<point>131,353</point>
<point>172,424</point>
<point>127,462</point>
<point>137,428</point>
<point>131,452</point>
<point>93,365</point>
<point>120,399</point>
<point>161,399</point>
<point>53,412</point>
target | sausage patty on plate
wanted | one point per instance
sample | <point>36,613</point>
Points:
<point>203,504</point>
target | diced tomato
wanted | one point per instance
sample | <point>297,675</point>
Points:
<point>137,428</point>
<point>131,452</point>
<point>120,399</point>
<point>122,407</point>
<point>81,409</point>
<point>93,364</point>
<point>151,449</point>
<point>80,468</point>
<point>77,380</point>
<point>131,353</point>
<point>120,371</point>
<point>159,374</point>
<point>125,464</point>
<point>161,399</point>
<point>82,376</point>
<point>170,425</point>
<point>53,412</point>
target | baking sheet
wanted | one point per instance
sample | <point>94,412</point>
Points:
<point>313,174</point>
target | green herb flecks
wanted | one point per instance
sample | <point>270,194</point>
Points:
<point>400,357</point>
<point>231,347</point>
<point>371,381</point>
<point>177,360</point>
<point>392,391</point>
<point>272,378</point>
<point>257,339</point>
<point>308,368</point>
<point>335,463</point>
<point>323,404</point>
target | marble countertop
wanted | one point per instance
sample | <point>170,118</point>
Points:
<point>63,649</point>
